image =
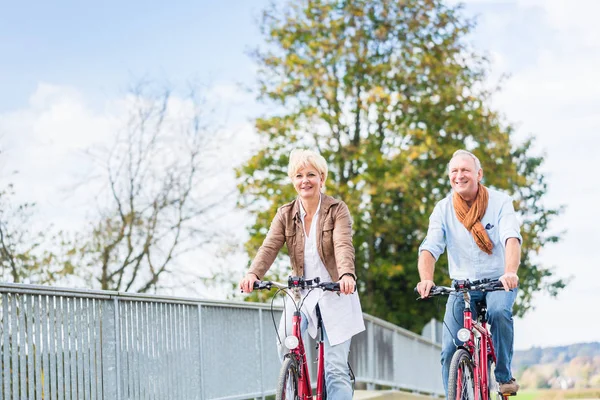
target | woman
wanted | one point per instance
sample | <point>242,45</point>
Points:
<point>317,230</point>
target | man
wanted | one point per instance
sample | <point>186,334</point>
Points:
<point>480,229</point>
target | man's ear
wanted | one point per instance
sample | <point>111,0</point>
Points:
<point>479,175</point>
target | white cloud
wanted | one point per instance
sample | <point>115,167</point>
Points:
<point>573,19</point>
<point>48,142</point>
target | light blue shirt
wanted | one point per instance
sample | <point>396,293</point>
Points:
<point>465,259</point>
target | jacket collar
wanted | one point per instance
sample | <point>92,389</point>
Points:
<point>326,202</point>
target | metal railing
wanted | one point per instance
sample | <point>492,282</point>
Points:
<point>69,344</point>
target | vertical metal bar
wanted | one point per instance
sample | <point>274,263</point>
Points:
<point>110,352</point>
<point>202,390</point>
<point>187,351</point>
<point>73,347</point>
<point>122,340</point>
<point>51,375</point>
<point>30,348</point>
<point>260,353</point>
<point>99,318</point>
<point>38,350</point>
<point>143,320</point>
<point>182,366</point>
<point>22,346</point>
<point>167,347</point>
<point>165,352</point>
<point>170,345</point>
<point>371,357</point>
<point>60,347</point>
<point>67,344</point>
<point>118,347</point>
<point>4,334</point>
<point>136,348</point>
<point>7,335</point>
<point>151,351</point>
<point>158,353</point>
<point>15,347</point>
<point>122,343</point>
<point>155,364</point>
<point>78,367</point>
<point>45,348</point>
<point>85,348</point>
<point>176,361</point>
<point>130,350</point>
<point>81,358</point>
<point>124,349</point>
<point>92,323</point>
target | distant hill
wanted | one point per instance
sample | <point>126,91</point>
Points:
<point>576,365</point>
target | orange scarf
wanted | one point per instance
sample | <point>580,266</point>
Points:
<point>471,217</point>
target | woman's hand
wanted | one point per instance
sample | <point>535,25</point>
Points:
<point>247,282</point>
<point>347,284</point>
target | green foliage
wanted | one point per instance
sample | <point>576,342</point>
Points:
<point>27,254</point>
<point>386,91</point>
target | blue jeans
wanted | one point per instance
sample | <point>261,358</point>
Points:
<point>337,373</point>
<point>499,312</point>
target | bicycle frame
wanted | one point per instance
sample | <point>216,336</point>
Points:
<point>477,349</point>
<point>481,348</point>
<point>304,386</point>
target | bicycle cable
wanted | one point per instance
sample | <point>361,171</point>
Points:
<point>284,312</point>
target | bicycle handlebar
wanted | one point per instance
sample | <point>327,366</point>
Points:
<point>298,282</point>
<point>461,286</point>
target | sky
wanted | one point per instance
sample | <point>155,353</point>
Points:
<point>65,68</point>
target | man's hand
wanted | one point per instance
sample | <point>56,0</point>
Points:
<point>424,287</point>
<point>509,280</point>
<point>247,282</point>
<point>347,284</point>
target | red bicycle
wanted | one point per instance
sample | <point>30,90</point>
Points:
<point>471,374</point>
<point>294,379</point>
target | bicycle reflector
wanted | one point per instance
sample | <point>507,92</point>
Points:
<point>463,334</point>
<point>291,342</point>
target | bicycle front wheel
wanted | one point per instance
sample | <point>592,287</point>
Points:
<point>461,384</point>
<point>287,386</point>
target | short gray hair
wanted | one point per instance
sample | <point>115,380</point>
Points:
<point>465,153</point>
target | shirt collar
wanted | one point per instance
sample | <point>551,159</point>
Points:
<point>303,212</point>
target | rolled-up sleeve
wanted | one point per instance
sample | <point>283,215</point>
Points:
<point>435,241</point>
<point>508,222</point>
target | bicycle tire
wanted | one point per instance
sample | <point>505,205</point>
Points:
<point>461,384</point>
<point>287,384</point>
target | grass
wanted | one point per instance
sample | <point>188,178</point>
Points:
<point>553,394</point>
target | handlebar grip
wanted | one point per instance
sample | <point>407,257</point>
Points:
<point>259,285</point>
<point>330,286</point>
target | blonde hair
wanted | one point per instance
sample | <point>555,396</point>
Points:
<point>301,158</point>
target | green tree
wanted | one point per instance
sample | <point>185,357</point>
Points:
<point>29,253</point>
<point>386,91</point>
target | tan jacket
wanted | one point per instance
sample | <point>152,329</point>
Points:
<point>334,239</point>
